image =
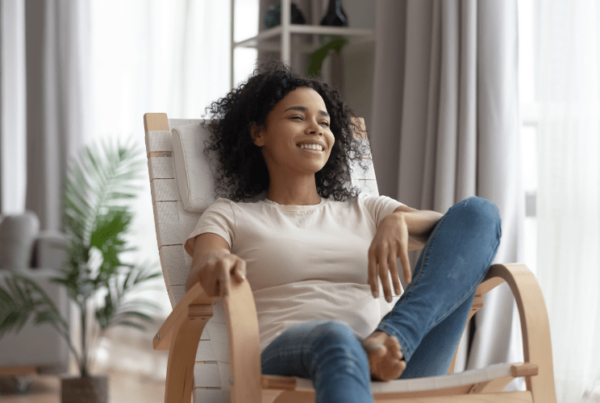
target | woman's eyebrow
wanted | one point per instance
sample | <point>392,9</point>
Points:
<point>304,109</point>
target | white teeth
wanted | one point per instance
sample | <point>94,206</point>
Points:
<point>317,147</point>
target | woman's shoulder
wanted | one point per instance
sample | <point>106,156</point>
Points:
<point>220,203</point>
<point>223,202</point>
<point>365,198</point>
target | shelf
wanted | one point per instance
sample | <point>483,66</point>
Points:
<point>362,35</point>
<point>278,39</point>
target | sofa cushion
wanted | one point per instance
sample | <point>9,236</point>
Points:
<point>17,236</point>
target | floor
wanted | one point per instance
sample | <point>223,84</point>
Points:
<point>124,387</point>
<point>136,372</point>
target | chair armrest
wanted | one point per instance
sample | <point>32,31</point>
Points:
<point>186,307</point>
<point>244,344</point>
<point>180,334</point>
<point>535,327</point>
<point>490,282</point>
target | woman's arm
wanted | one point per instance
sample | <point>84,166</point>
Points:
<point>212,265</point>
<point>419,223</point>
<point>403,230</point>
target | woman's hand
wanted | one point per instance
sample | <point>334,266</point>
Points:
<point>214,270</point>
<point>390,242</point>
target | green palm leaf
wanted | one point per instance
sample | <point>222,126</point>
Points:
<point>23,298</point>
<point>97,184</point>
<point>97,214</point>
<point>315,59</point>
<point>117,307</point>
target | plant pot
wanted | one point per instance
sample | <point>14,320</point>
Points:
<point>88,389</point>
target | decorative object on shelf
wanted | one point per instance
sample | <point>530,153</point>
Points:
<point>335,17</point>
<point>96,218</point>
<point>316,58</point>
<point>273,16</point>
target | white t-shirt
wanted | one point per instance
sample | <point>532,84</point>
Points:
<point>303,263</point>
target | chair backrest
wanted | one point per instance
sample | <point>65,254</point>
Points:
<point>174,223</point>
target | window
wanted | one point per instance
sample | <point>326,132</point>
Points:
<point>527,10</point>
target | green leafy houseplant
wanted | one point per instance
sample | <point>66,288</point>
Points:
<point>96,217</point>
<point>316,58</point>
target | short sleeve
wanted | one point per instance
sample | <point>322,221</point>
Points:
<point>379,206</point>
<point>218,218</point>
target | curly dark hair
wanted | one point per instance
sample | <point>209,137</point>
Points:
<point>242,172</point>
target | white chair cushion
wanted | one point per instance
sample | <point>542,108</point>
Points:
<point>194,173</point>
<point>432,382</point>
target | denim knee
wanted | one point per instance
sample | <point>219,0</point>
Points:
<point>337,339</point>
<point>333,334</point>
<point>483,210</point>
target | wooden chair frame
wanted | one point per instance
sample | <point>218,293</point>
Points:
<point>181,331</point>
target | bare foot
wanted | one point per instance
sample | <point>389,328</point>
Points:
<point>386,359</point>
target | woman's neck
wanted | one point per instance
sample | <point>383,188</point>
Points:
<point>297,191</point>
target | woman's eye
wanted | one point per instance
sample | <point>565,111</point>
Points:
<point>300,117</point>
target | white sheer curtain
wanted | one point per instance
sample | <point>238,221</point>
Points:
<point>445,126</point>
<point>12,106</point>
<point>568,194</point>
<point>154,56</point>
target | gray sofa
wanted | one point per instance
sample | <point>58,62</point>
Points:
<point>39,255</point>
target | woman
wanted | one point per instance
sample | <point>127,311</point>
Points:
<point>313,249</point>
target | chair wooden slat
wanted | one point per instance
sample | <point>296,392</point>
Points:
<point>160,168</point>
<point>158,140</point>
<point>177,292</point>
<point>167,219</point>
<point>211,395</point>
<point>164,190</point>
<point>211,351</point>
<point>172,256</point>
<point>207,375</point>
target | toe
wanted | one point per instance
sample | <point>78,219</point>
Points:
<point>376,349</point>
<point>380,350</point>
<point>393,346</point>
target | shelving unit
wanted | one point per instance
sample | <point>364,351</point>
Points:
<point>263,41</point>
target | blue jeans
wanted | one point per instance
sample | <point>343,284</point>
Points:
<point>428,319</point>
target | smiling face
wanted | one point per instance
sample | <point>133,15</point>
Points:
<point>297,138</point>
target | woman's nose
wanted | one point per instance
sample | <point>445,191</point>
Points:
<point>315,128</point>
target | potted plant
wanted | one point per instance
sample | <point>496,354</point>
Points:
<point>96,217</point>
<point>316,58</point>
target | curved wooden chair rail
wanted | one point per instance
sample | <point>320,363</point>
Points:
<point>181,331</point>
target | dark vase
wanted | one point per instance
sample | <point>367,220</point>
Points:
<point>273,16</point>
<point>335,17</point>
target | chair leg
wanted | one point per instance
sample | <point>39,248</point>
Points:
<point>180,367</point>
<point>535,327</point>
<point>477,305</point>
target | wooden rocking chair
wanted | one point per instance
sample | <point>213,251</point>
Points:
<point>214,347</point>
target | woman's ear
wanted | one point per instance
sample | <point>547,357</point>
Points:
<point>256,134</point>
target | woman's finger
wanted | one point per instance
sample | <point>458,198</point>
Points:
<point>223,266</point>
<point>405,262</point>
<point>382,260</point>
<point>393,265</point>
<point>373,274</point>
<point>210,283</point>
<point>239,269</point>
